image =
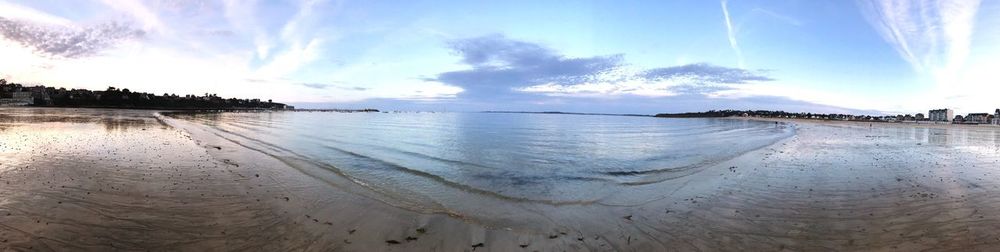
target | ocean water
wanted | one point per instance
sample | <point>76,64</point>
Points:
<point>545,158</point>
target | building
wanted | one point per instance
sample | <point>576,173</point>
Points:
<point>18,98</point>
<point>39,95</point>
<point>14,102</point>
<point>940,115</point>
<point>978,118</point>
<point>996,117</point>
<point>20,95</point>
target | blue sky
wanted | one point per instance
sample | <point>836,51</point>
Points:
<point>892,56</point>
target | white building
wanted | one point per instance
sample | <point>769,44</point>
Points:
<point>940,115</point>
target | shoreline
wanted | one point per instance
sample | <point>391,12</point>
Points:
<point>862,123</point>
<point>398,221</point>
<point>178,186</point>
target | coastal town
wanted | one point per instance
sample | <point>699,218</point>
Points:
<point>15,94</point>
<point>933,116</point>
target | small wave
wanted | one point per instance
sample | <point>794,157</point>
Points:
<point>283,154</point>
<point>385,165</point>
<point>465,187</point>
<point>645,172</point>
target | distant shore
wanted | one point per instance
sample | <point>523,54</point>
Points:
<point>873,123</point>
<point>153,108</point>
<point>559,113</point>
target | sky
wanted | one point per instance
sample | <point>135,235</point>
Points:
<point>827,56</point>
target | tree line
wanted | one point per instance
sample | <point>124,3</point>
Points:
<point>114,97</point>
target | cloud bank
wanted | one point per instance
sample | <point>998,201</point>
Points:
<point>500,67</point>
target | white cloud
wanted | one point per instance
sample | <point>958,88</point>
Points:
<point>936,38</point>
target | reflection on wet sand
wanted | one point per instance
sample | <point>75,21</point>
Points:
<point>110,119</point>
<point>120,180</point>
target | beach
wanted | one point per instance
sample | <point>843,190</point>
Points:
<point>90,179</point>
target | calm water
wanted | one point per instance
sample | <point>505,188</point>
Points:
<point>526,157</point>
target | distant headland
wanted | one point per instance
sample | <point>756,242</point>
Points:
<point>14,94</point>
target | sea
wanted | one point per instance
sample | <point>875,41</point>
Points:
<point>523,157</point>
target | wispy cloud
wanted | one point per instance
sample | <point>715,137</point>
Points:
<point>149,20</point>
<point>706,73</point>
<point>783,18</point>
<point>732,34</point>
<point>301,43</point>
<point>316,85</point>
<point>22,13</point>
<point>305,13</point>
<point>932,35</point>
<point>292,59</point>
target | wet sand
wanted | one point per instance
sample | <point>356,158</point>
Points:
<point>130,180</point>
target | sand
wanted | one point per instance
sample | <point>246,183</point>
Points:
<point>130,180</point>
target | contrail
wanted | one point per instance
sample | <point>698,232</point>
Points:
<point>732,35</point>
